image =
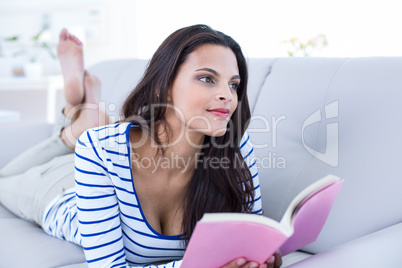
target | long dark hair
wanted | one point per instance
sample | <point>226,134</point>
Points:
<point>223,189</point>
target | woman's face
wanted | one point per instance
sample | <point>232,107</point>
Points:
<point>204,92</point>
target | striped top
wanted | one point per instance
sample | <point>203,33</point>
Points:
<point>105,208</point>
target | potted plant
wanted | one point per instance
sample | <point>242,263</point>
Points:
<point>3,48</point>
<point>33,51</point>
<point>305,49</point>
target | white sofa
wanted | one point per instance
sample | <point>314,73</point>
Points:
<point>317,116</point>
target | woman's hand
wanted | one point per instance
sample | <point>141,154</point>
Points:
<point>243,263</point>
<point>275,261</point>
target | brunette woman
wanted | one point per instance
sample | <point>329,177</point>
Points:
<point>141,184</point>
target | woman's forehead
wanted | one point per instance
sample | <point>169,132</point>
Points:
<point>216,57</point>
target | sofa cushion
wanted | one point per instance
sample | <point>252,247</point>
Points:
<point>379,249</point>
<point>26,245</point>
<point>118,78</point>
<point>14,139</point>
<point>6,214</point>
<point>343,109</point>
<point>258,70</point>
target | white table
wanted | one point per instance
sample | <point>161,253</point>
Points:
<point>9,116</point>
<point>51,84</point>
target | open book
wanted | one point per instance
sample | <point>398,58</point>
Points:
<point>219,238</point>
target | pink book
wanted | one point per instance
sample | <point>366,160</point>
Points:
<point>219,238</point>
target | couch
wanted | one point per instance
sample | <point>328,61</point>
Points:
<point>310,117</point>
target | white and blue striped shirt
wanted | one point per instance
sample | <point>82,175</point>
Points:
<point>103,214</point>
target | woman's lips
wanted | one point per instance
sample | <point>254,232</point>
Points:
<point>221,112</point>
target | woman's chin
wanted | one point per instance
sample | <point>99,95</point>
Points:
<point>218,133</point>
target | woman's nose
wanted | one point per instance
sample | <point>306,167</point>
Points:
<point>224,94</point>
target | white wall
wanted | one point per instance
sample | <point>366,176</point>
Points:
<point>353,27</point>
<point>134,28</point>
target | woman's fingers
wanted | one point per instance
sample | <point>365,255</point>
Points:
<point>275,261</point>
<point>242,263</point>
<point>278,259</point>
<point>235,263</point>
<point>270,262</point>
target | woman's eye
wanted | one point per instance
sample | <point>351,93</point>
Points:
<point>206,79</point>
<point>234,86</point>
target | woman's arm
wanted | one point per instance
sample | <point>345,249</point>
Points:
<point>98,210</point>
<point>247,151</point>
<point>173,264</point>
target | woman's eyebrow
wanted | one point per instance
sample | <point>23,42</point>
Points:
<point>235,77</point>
<point>216,73</point>
<point>209,70</point>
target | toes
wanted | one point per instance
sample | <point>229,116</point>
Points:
<point>91,80</point>
<point>87,78</point>
<point>76,40</point>
<point>63,34</point>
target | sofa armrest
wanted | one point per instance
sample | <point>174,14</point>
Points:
<point>18,137</point>
<point>379,249</point>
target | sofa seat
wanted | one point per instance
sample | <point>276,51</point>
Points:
<point>25,243</point>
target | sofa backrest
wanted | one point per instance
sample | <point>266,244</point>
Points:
<point>332,116</point>
<point>118,78</point>
<point>313,117</point>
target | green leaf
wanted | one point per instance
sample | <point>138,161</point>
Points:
<point>37,36</point>
<point>48,49</point>
<point>11,39</point>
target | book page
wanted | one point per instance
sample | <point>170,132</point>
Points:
<point>244,217</point>
<point>309,219</point>
<point>304,195</point>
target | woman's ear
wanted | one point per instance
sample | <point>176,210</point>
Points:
<point>169,95</point>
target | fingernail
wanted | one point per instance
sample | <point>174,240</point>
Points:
<point>241,262</point>
<point>253,265</point>
<point>271,259</point>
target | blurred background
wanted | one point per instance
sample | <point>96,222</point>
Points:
<point>113,29</point>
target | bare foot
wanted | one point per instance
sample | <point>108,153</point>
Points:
<point>90,114</point>
<point>69,52</point>
<point>92,87</point>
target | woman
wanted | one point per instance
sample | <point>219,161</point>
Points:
<point>142,184</point>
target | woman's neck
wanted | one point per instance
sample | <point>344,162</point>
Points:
<point>179,157</point>
<point>183,148</point>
